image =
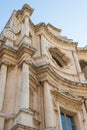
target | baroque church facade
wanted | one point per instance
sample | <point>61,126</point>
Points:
<point>43,77</point>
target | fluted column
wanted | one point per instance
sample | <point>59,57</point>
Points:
<point>48,106</point>
<point>3,74</point>
<point>25,86</point>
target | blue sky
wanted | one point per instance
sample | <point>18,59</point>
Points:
<point>68,15</point>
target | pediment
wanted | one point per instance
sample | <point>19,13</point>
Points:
<point>69,93</point>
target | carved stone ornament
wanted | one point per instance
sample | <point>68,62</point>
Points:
<point>66,99</point>
<point>69,94</point>
<point>8,33</point>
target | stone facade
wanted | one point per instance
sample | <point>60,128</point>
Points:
<point>42,74</point>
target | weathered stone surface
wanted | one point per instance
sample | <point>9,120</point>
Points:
<point>42,74</point>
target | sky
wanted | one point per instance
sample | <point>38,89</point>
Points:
<point>68,15</point>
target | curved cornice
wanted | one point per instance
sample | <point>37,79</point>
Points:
<point>50,25</point>
<point>46,72</point>
<point>70,98</point>
<point>42,28</point>
<point>81,51</point>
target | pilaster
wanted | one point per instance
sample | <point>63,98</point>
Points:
<point>3,75</point>
<point>78,68</point>
<point>26,23</point>
<point>25,86</point>
<point>48,106</point>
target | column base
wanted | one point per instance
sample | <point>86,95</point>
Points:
<point>24,117</point>
<point>2,118</point>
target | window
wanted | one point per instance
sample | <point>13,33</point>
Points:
<point>58,57</point>
<point>67,122</point>
<point>56,60</point>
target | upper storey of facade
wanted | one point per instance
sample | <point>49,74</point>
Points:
<point>48,47</point>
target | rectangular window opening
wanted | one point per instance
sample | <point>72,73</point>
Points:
<point>67,122</point>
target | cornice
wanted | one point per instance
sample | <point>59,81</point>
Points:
<point>20,126</point>
<point>11,56</point>
<point>81,51</point>
<point>7,55</point>
<point>24,53</point>
<point>65,102</point>
<point>46,72</point>
<point>42,28</point>
<point>27,8</point>
<point>56,29</point>
<point>66,97</point>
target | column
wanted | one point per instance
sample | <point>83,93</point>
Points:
<point>25,86</point>
<point>48,106</point>
<point>26,30</point>
<point>3,75</point>
<point>26,24</point>
<point>43,45</point>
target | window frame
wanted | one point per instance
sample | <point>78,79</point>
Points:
<point>66,121</point>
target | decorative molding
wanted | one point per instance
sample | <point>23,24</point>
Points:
<point>66,101</point>
<point>22,127</point>
<point>8,33</point>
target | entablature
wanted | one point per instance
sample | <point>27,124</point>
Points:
<point>47,73</point>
